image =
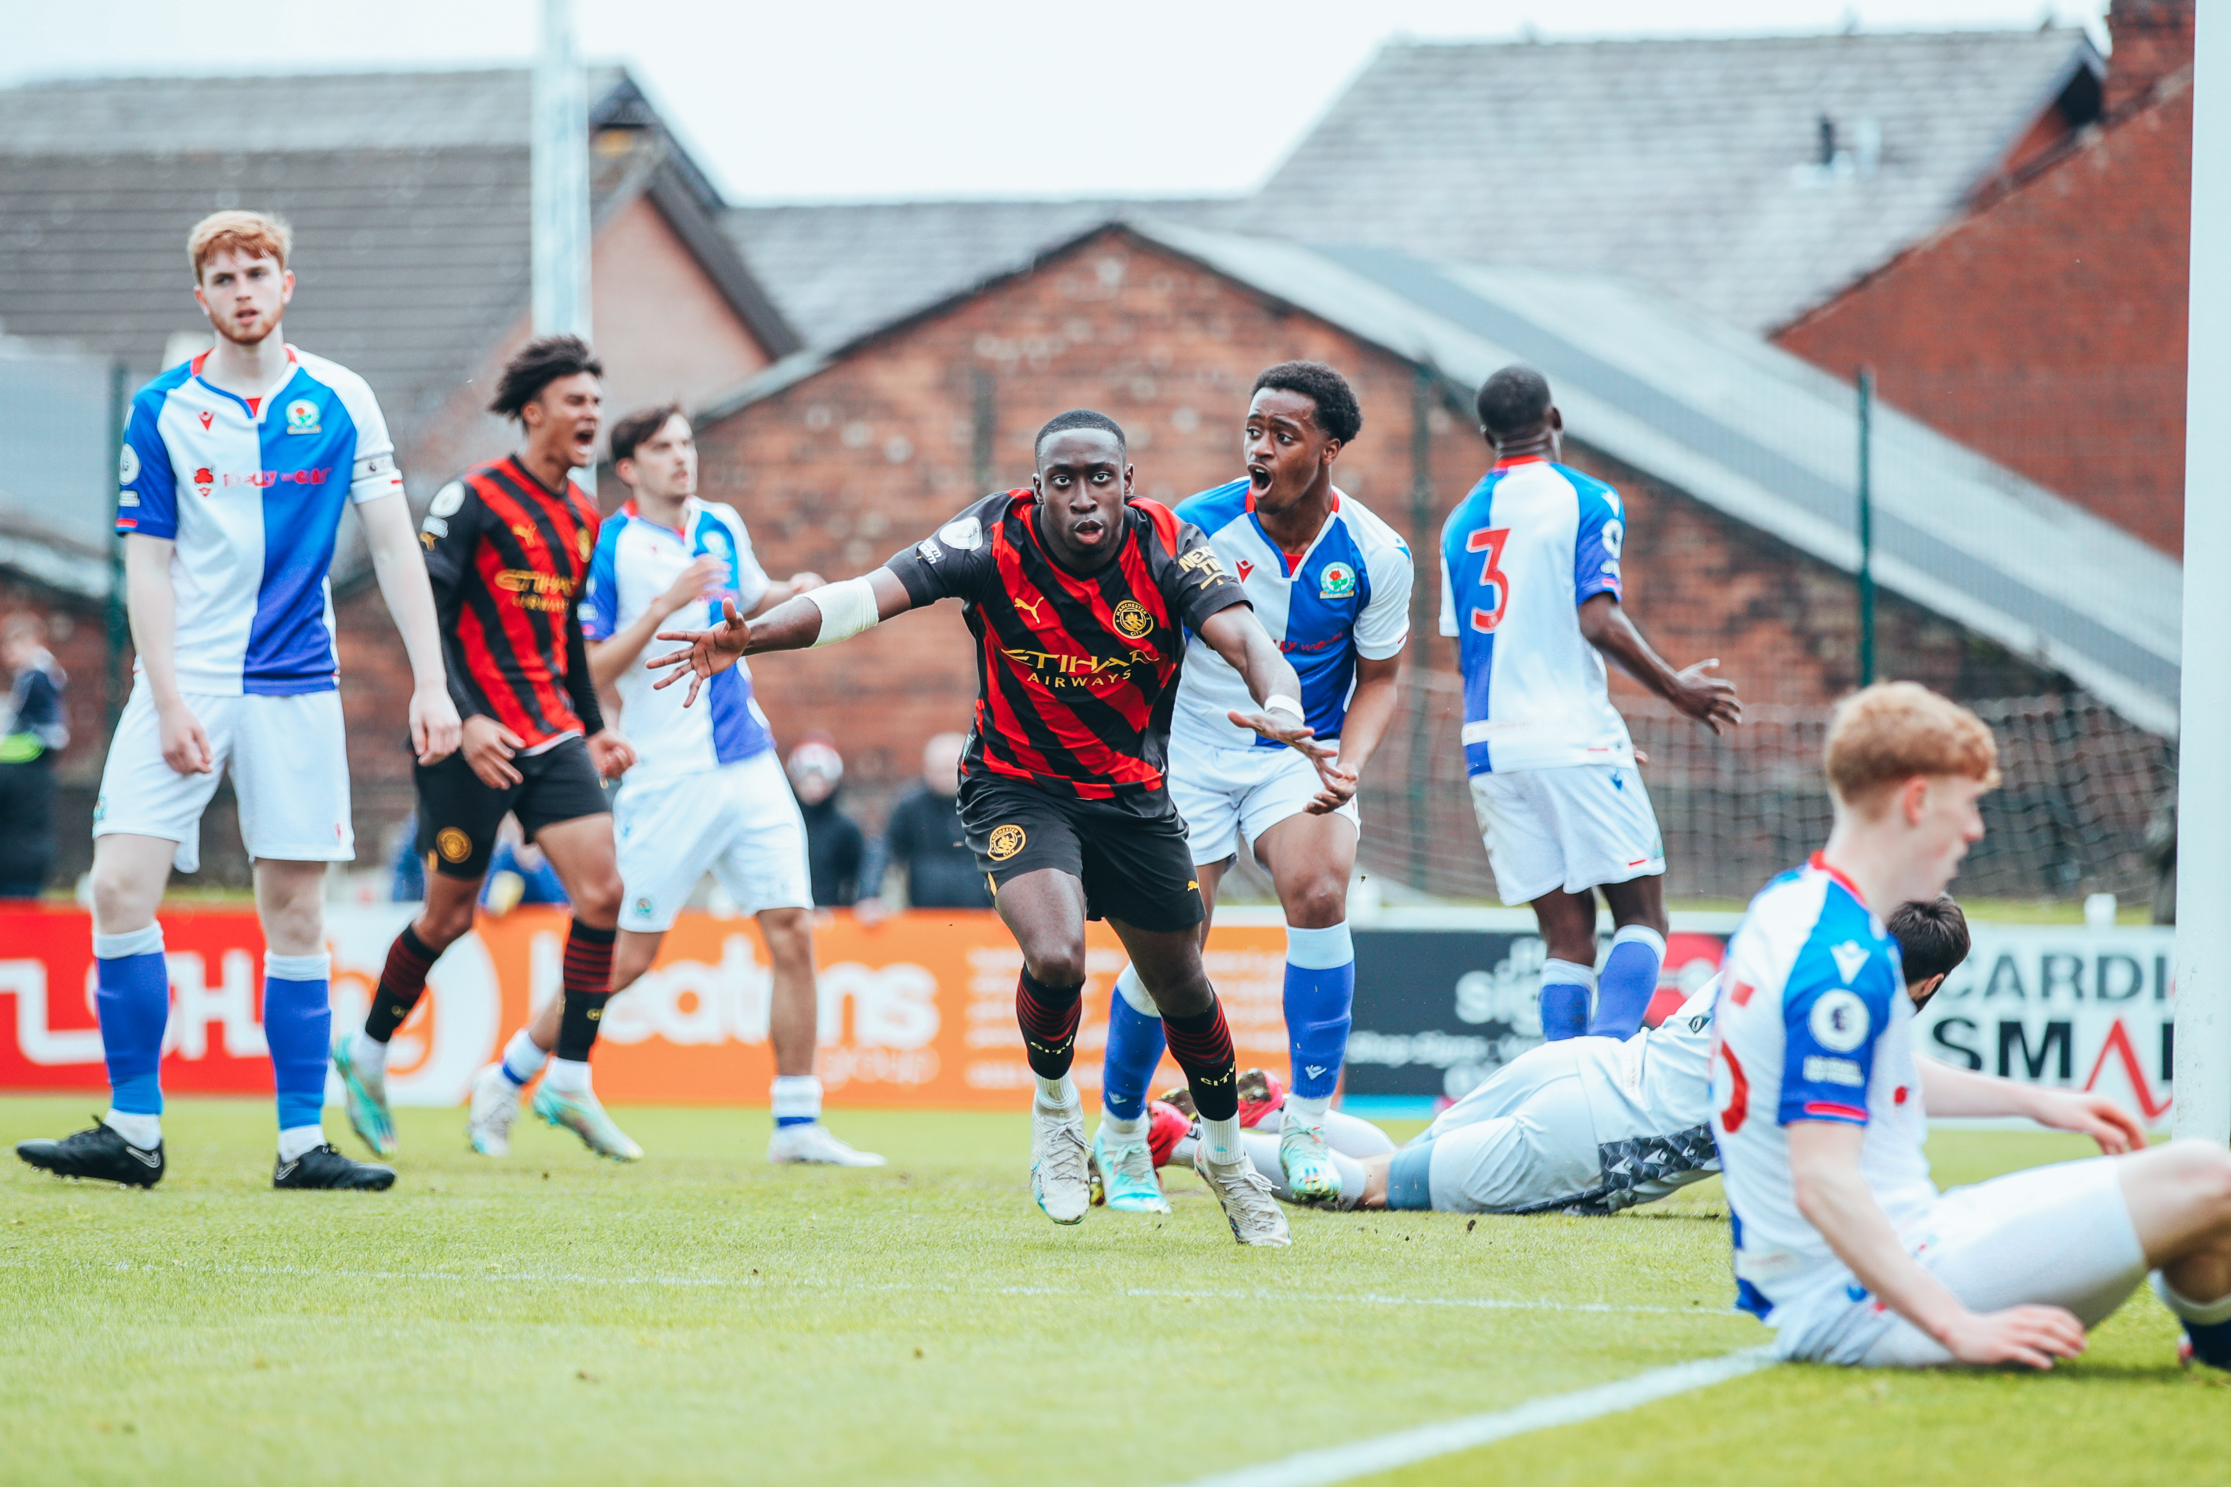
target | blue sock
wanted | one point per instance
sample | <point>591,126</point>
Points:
<point>1629,981</point>
<point>132,995</point>
<point>298,1024</point>
<point>1567,988</point>
<point>1135,1044</point>
<point>1320,1001</point>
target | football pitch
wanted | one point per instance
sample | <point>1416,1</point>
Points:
<point>703,1317</point>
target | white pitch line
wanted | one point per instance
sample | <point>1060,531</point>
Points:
<point>1385,1453</point>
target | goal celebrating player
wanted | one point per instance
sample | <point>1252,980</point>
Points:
<point>234,471</point>
<point>507,546</point>
<point>1530,589</point>
<point>1820,1108</point>
<point>707,793</point>
<point>1331,583</point>
<point>1078,596</point>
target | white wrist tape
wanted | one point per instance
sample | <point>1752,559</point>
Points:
<point>846,608</point>
<point>1279,703</point>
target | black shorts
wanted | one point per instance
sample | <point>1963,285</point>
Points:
<point>458,815</point>
<point>1131,854</point>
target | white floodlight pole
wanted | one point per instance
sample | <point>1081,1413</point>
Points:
<point>561,179</point>
<point>2203,1055</point>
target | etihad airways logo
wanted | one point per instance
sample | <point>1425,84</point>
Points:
<point>1059,671</point>
<point>546,591</point>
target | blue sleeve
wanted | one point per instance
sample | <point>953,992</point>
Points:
<point>1829,1030</point>
<point>146,485</point>
<point>600,604</point>
<point>1602,532</point>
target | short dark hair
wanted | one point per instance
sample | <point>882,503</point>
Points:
<point>1338,413</point>
<point>1514,401</point>
<point>630,432</point>
<point>1932,936</point>
<point>538,364</point>
<point>1078,418</point>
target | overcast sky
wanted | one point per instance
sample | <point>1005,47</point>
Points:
<point>965,98</point>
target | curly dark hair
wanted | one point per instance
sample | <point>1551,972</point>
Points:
<point>1514,401</point>
<point>538,364</point>
<point>1338,412</point>
<point>629,433</point>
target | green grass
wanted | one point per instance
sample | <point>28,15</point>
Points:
<point>704,1317</point>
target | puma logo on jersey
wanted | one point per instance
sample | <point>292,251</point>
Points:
<point>1033,606</point>
<point>1849,957</point>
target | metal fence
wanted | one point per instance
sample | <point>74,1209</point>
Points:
<point>2081,786</point>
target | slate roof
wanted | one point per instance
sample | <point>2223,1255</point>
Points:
<point>1691,164</point>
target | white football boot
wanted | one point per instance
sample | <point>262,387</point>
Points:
<point>813,1142</point>
<point>1057,1163</point>
<point>1249,1208</point>
<point>495,1105</point>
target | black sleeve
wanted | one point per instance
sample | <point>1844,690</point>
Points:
<point>955,560</point>
<point>1194,583</point>
<point>450,532</point>
<point>579,684</point>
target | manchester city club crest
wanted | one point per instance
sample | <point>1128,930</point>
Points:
<point>302,417</point>
<point>1337,582</point>
<point>1132,619</point>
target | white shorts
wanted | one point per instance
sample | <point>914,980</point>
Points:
<point>739,823</point>
<point>1514,1145</point>
<point>289,761</point>
<point>2054,1236</point>
<point>1225,794</point>
<point>1574,828</point>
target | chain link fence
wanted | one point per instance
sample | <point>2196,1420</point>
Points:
<point>2081,788</point>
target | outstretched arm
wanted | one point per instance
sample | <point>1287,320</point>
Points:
<point>1707,699</point>
<point>823,616</point>
<point>1235,634</point>
<point>1960,1092</point>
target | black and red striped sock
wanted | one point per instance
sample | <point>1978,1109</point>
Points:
<point>1202,1046</point>
<point>588,986</point>
<point>1048,1015</point>
<point>402,983</point>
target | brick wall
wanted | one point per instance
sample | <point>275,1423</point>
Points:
<point>2047,329</point>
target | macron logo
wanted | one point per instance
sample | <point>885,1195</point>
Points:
<point>1245,568</point>
<point>1314,1070</point>
<point>1849,956</point>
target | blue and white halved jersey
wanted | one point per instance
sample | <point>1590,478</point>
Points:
<point>251,494</point>
<point>1347,596</point>
<point>1519,556</point>
<point>1812,1023</point>
<point>635,561</point>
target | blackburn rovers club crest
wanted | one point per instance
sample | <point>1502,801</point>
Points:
<point>453,844</point>
<point>1006,842</point>
<point>1338,582</point>
<point>1132,619</point>
<point>302,417</point>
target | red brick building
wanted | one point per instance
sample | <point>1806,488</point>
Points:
<point>2047,327</point>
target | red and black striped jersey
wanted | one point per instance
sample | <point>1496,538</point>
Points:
<point>1076,673</point>
<point>508,558</point>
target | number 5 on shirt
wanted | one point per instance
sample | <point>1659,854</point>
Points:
<point>1490,540</point>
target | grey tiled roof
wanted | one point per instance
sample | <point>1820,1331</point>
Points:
<point>838,270</point>
<point>1688,164</point>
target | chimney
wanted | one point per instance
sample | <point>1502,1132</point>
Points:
<point>2153,38</point>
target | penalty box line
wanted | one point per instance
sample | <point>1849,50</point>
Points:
<point>1386,1453</point>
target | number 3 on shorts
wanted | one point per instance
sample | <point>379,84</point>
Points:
<point>1490,540</point>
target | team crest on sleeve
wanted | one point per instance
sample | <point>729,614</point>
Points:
<point>963,535</point>
<point>1337,582</point>
<point>1006,842</point>
<point>449,500</point>
<point>1132,619</point>
<point>302,417</point>
<point>1839,1021</point>
<point>127,466</point>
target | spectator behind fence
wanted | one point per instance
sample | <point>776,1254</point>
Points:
<point>924,842</point>
<point>836,848</point>
<point>33,728</point>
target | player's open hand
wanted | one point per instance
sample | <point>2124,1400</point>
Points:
<point>2094,1115</point>
<point>612,755</point>
<point>185,742</point>
<point>1711,700</point>
<point>709,652</point>
<point>2032,1335</point>
<point>1283,727</point>
<point>489,747</point>
<point>434,726</point>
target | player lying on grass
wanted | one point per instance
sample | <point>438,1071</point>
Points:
<point>507,546</point>
<point>1820,1108</point>
<point>707,794</point>
<point>1079,597</point>
<point>234,471</point>
<point>1331,583</point>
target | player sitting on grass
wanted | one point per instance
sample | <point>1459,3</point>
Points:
<point>1079,597</point>
<point>507,546</point>
<point>1331,582</point>
<point>1530,589</point>
<point>1820,1108</point>
<point>235,469</point>
<point>707,794</point>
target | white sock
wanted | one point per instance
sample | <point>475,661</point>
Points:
<point>1223,1138</point>
<point>522,1059</point>
<point>2206,1313</point>
<point>368,1052</point>
<point>796,1097</point>
<point>568,1076</point>
<point>295,1140</point>
<point>1059,1094</point>
<point>1309,1112</point>
<point>1119,1129</point>
<point>143,1131</point>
